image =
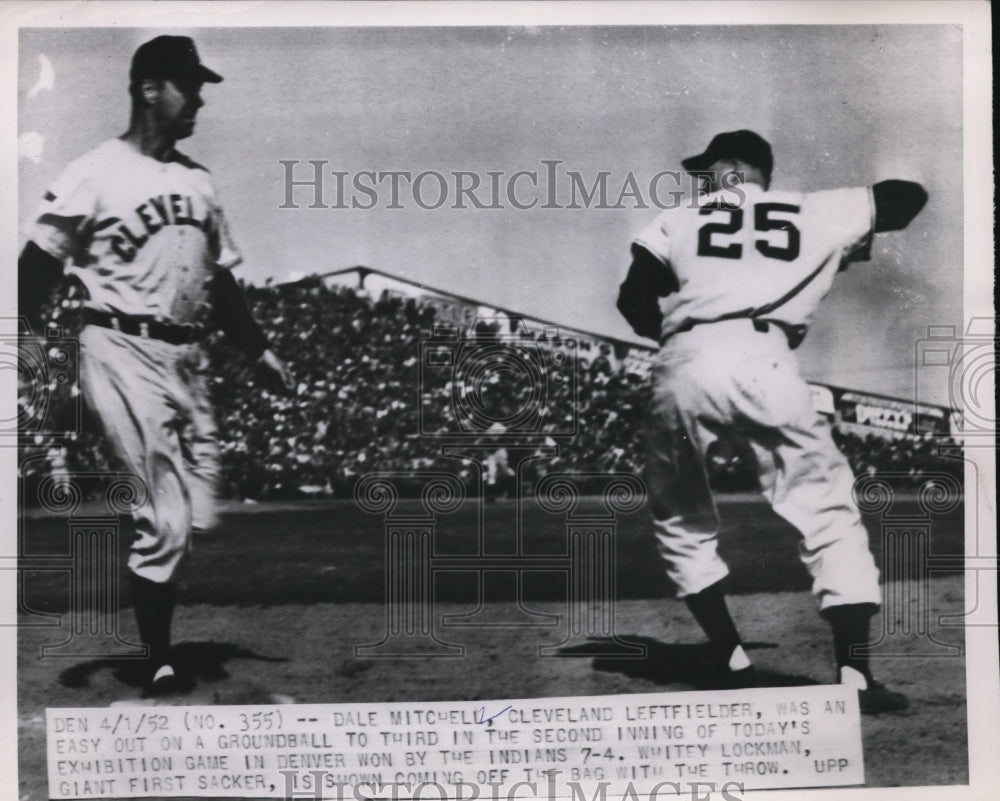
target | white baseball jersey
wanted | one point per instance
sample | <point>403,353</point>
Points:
<point>143,236</point>
<point>771,254</point>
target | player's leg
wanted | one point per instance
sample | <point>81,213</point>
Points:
<point>835,550</point>
<point>809,483</point>
<point>685,519</point>
<point>154,603</point>
<point>122,384</point>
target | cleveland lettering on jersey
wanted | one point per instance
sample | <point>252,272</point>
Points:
<point>138,224</point>
<point>151,217</point>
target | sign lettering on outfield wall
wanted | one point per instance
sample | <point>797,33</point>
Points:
<point>898,416</point>
<point>649,746</point>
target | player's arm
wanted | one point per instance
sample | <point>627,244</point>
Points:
<point>648,279</point>
<point>897,203</point>
<point>37,273</point>
<point>231,313</point>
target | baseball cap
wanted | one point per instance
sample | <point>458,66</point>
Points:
<point>744,145</point>
<point>170,57</point>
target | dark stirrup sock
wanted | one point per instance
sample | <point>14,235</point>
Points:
<point>154,610</point>
<point>851,625</point>
<point>710,610</point>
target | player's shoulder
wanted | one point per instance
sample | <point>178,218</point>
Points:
<point>843,194</point>
<point>654,230</point>
<point>834,206</point>
<point>86,170</point>
<point>671,213</point>
<point>754,194</point>
<point>737,196</point>
<point>791,197</point>
<point>96,157</point>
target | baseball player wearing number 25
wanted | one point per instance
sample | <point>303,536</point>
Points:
<point>728,287</point>
<point>139,225</point>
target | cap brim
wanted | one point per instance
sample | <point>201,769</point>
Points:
<point>207,76</point>
<point>698,163</point>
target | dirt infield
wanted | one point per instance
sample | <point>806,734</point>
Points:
<point>277,603</point>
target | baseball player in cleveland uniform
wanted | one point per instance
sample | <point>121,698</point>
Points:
<point>728,287</point>
<point>139,225</point>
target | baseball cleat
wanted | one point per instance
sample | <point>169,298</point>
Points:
<point>165,682</point>
<point>877,698</point>
<point>740,679</point>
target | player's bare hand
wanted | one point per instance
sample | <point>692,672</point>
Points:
<point>274,369</point>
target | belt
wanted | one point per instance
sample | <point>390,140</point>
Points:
<point>794,333</point>
<point>147,327</point>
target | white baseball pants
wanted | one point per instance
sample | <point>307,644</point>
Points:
<point>153,405</point>
<point>728,377</point>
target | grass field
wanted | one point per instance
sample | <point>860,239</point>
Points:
<point>332,552</point>
<point>278,600</point>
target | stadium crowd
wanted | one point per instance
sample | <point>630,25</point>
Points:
<point>378,386</point>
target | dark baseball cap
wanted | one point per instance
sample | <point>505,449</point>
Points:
<point>746,146</point>
<point>170,57</point>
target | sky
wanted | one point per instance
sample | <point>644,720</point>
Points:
<point>841,105</point>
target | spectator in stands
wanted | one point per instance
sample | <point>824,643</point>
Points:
<point>356,409</point>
